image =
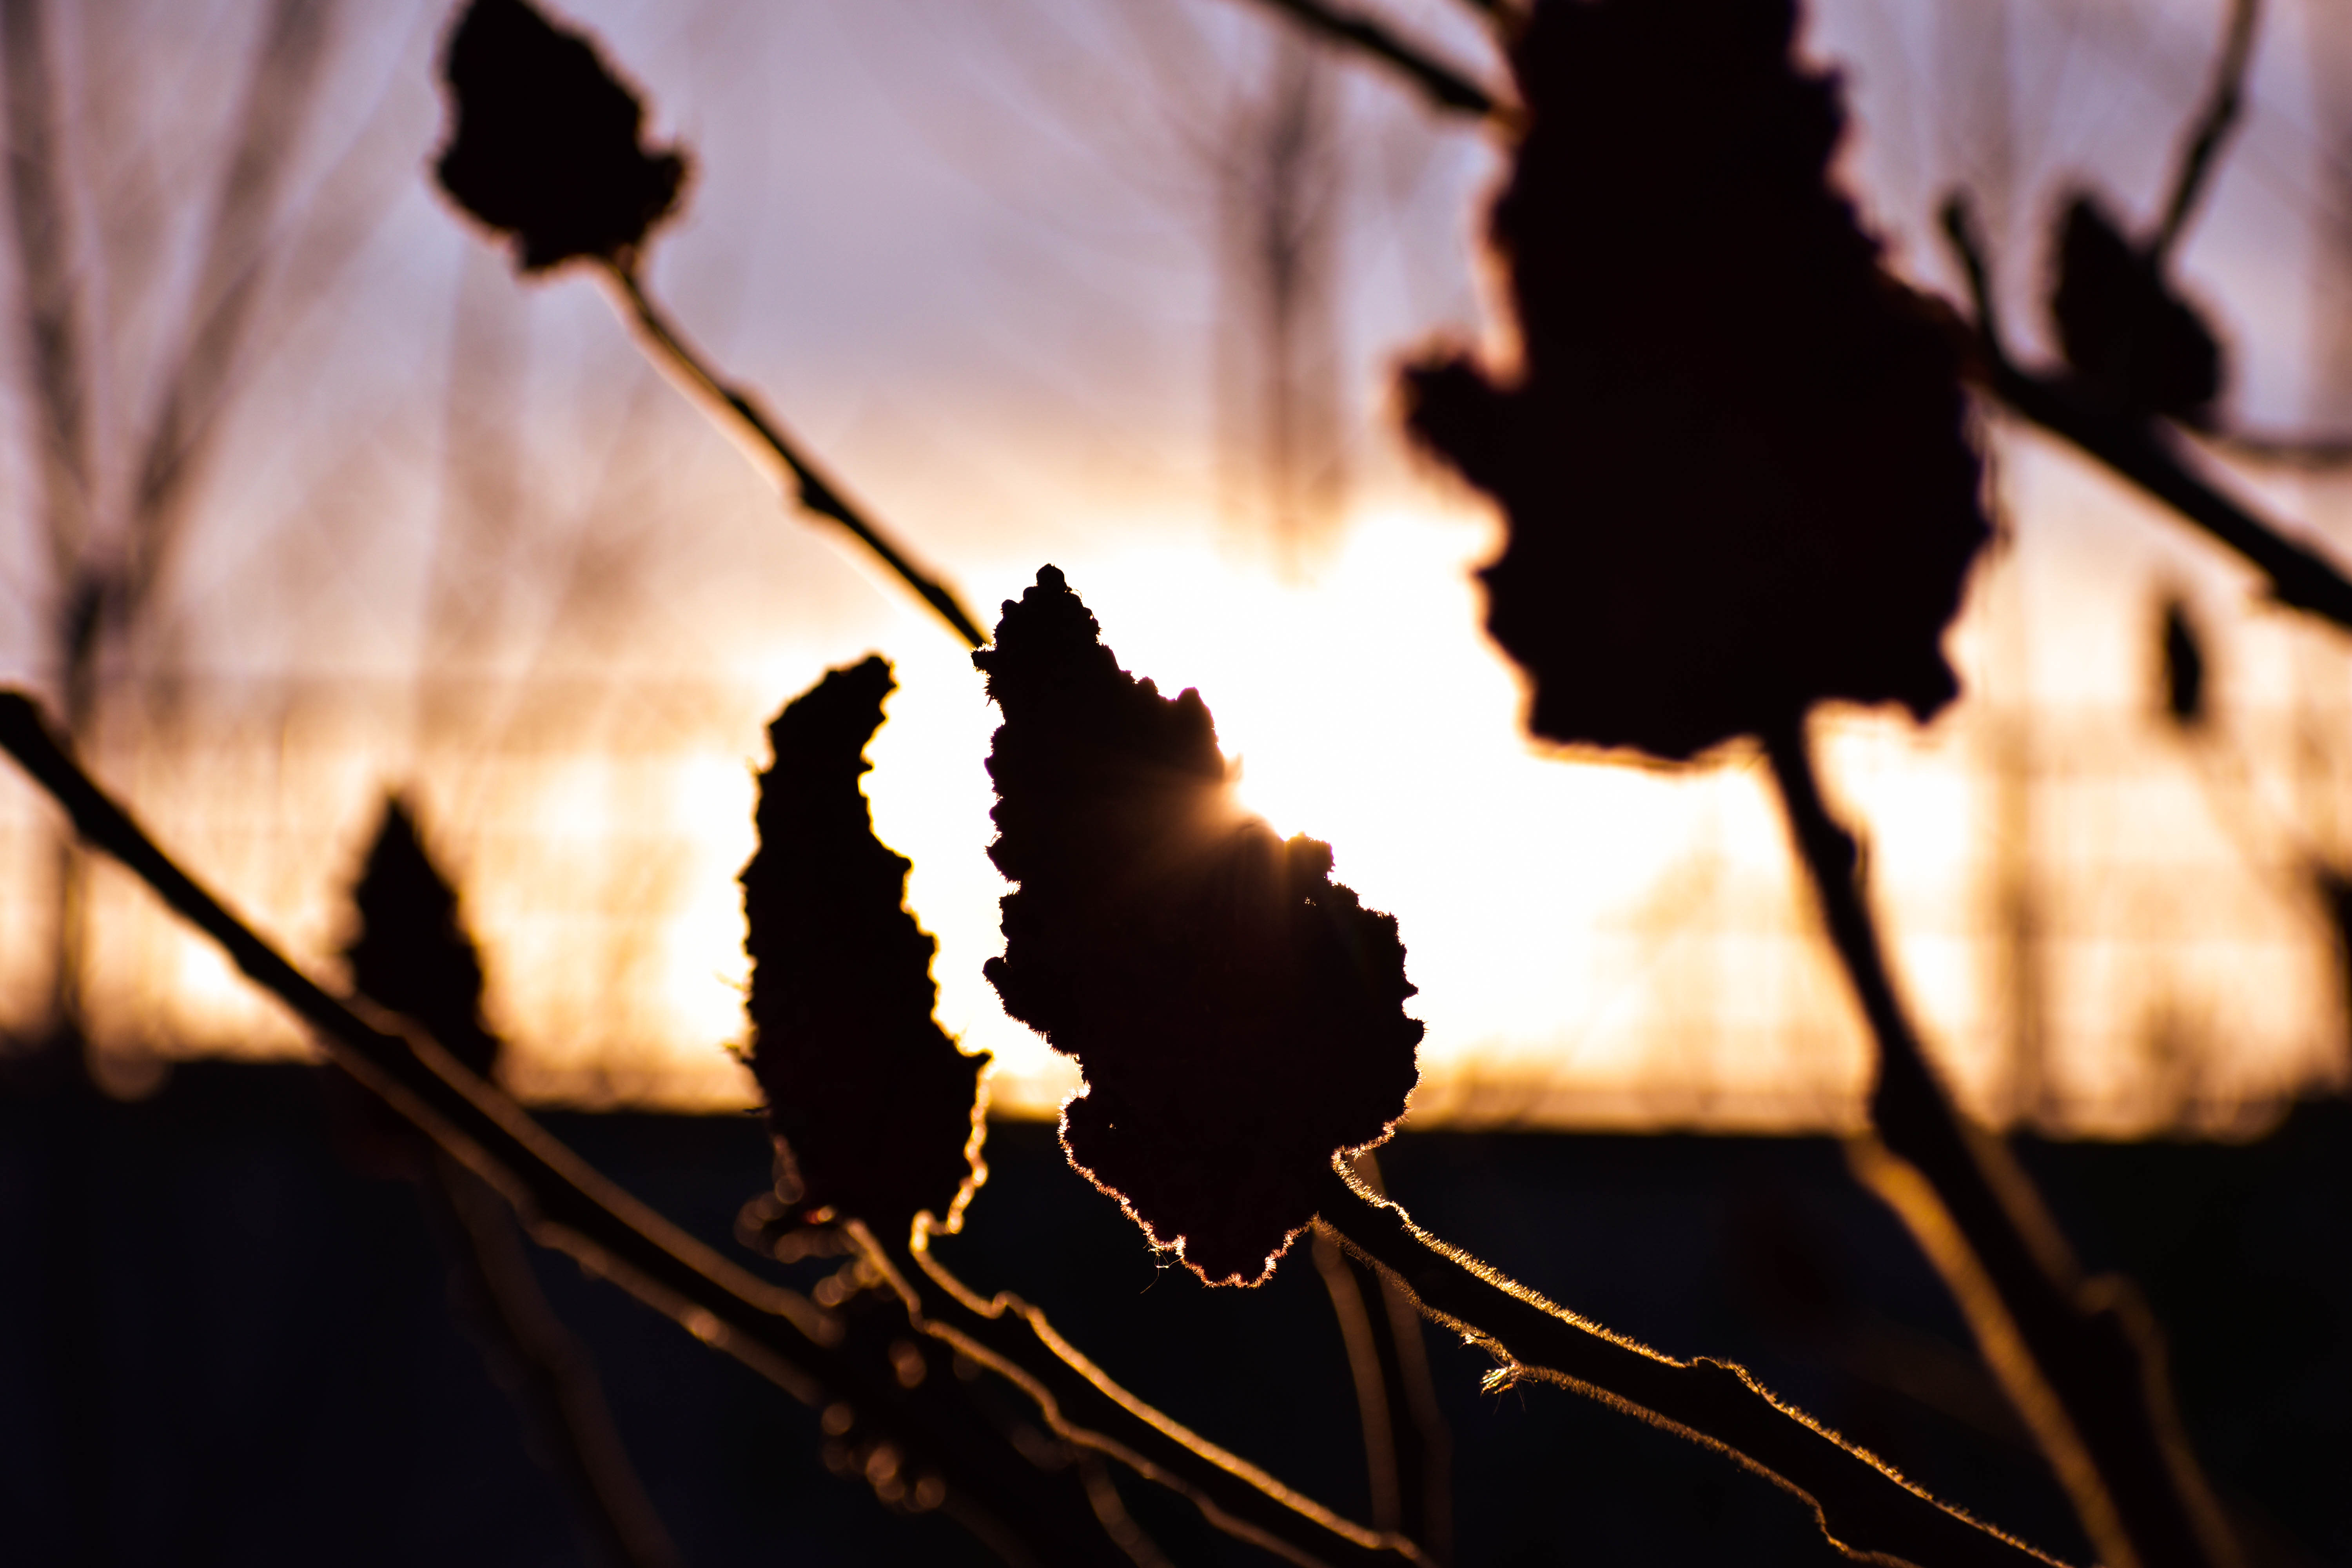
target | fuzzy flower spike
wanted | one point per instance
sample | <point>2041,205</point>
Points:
<point>1239,1017</point>
<point>872,1105</point>
<point>1735,462</point>
<point>546,146</point>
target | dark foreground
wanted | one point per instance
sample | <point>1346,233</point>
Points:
<point>220,1343</point>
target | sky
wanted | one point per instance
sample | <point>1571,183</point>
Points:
<point>456,538</point>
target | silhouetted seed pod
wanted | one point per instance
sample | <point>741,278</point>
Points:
<point>411,953</point>
<point>869,1100</point>
<point>1239,1017</point>
<point>1735,462</point>
<point>545,145</point>
<point>2183,662</point>
<point>2125,332</point>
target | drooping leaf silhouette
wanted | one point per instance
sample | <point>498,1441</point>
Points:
<point>871,1101</point>
<point>2125,332</point>
<point>412,953</point>
<point>1735,460</point>
<point>1239,1017</point>
<point>546,143</point>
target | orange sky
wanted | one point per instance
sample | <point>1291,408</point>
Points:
<point>971,251</point>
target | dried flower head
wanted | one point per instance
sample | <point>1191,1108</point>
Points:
<point>1239,1017</point>
<point>411,952</point>
<point>872,1104</point>
<point>546,141</point>
<point>2123,331</point>
<point>1734,459</point>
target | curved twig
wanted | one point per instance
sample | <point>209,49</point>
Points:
<point>1445,86</point>
<point>740,410</point>
<point>1408,1448</point>
<point>1088,1409</point>
<point>1865,1507</point>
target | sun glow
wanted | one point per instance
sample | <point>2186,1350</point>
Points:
<point>1596,942</point>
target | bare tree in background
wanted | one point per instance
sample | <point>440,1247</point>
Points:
<point>1281,165</point>
<point>1975,43</point>
<point>118,456</point>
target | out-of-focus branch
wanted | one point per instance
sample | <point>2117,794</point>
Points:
<point>1085,1408</point>
<point>2317,454</point>
<point>2221,115</point>
<point>2079,1358</point>
<point>278,100</point>
<point>738,410</point>
<point>1408,1448</point>
<point>2152,457</point>
<point>553,1380</point>
<point>1442,84</point>
<point>567,1204</point>
<point>1868,1511</point>
<point>1373,1409</point>
<point>2142,450</point>
<point>55,335</point>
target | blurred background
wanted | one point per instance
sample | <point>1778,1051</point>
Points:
<point>309,498</point>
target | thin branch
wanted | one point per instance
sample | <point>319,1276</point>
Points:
<point>2316,454</point>
<point>2149,455</point>
<point>2222,109</point>
<point>736,407</point>
<point>1868,1511</point>
<point>1959,222</point>
<point>1444,87</point>
<point>553,1379</point>
<point>1087,1408</point>
<point>1373,1409</point>
<point>278,100</point>
<point>566,1204</point>
<point>2079,1358</point>
<point>44,236</point>
<point>1406,1438</point>
<point>2143,450</point>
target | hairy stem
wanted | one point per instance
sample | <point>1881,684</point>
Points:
<point>1867,1510</point>
<point>566,1204</point>
<point>741,412</point>
<point>1085,1408</point>
<point>2079,1359</point>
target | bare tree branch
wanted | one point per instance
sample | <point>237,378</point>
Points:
<point>732,405</point>
<point>278,100</point>
<point>2079,1358</point>
<point>2221,116</point>
<point>1442,84</point>
<point>2140,449</point>
<point>1087,1409</point>
<point>1868,1511</point>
